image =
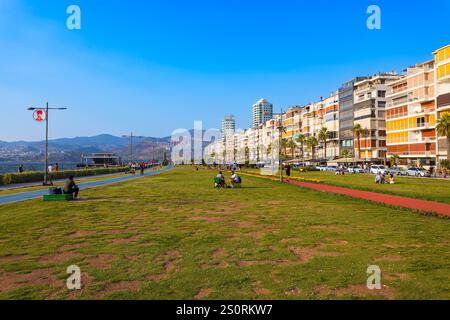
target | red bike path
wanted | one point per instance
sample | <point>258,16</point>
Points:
<point>415,204</point>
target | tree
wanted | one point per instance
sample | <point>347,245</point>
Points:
<point>323,136</point>
<point>345,153</point>
<point>269,150</point>
<point>312,142</point>
<point>358,130</point>
<point>284,143</point>
<point>291,145</point>
<point>443,130</point>
<point>302,140</point>
<point>394,159</point>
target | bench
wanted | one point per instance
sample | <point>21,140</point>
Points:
<point>58,197</point>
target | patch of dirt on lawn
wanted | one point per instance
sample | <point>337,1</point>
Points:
<point>207,219</point>
<point>61,257</point>
<point>203,293</point>
<point>102,261</point>
<point>41,277</point>
<point>390,258</point>
<point>169,260</point>
<point>262,291</point>
<point>125,240</point>
<point>356,290</point>
<point>252,263</point>
<point>219,253</point>
<point>123,286</point>
<point>13,259</point>
<point>306,254</point>
<point>81,234</point>
<point>395,276</point>
<point>293,292</point>
<point>70,247</point>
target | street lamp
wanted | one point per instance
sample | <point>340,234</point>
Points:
<point>46,138</point>
<point>131,136</point>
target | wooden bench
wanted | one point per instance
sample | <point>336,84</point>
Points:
<point>58,197</point>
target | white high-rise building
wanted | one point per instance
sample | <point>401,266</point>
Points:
<point>228,126</point>
<point>262,112</point>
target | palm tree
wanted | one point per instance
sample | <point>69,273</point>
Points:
<point>302,140</point>
<point>443,130</point>
<point>394,159</point>
<point>284,143</point>
<point>312,142</point>
<point>291,145</point>
<point>323,136</point>
<point>345,153</point>
<point>358,130</point>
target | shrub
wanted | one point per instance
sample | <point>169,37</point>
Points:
<point>12,178</point>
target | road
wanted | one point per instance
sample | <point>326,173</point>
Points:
<point>28,195</point>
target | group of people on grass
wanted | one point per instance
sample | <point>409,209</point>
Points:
<point>220,181</point>
<point>380,178</point>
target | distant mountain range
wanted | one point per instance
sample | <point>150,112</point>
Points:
<point>71,149</point>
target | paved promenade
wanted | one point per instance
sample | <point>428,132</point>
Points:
<point>22,196</point>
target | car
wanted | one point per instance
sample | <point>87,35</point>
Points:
<point>416,172</point>
<point>332,168</point>
<point>375,169</point>
<point>355,170</point>
<point>396,171</point>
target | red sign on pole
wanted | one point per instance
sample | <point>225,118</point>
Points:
<point>39,115</point>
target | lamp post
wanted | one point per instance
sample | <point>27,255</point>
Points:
<point>131,136</point>
<point>46,137</point>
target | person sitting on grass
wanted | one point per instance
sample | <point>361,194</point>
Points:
<point>235,180</point>
<point>378,178</point>
<point>71,188</point>
<point>219,181</point>
<point>391,179</point>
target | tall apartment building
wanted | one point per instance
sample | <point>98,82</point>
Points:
<point>370,113</point>
<point>331,122</point>
<point>442,78</point>
<point>262,112</point>
<point>228,125</point>
<point>346,113</point>
<point>411,116</point>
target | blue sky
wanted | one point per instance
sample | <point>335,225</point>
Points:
<point>155,66</point>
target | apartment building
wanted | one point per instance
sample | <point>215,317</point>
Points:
<point>262,112</point>
<point>346,114</point>
<point>370,113</point>
<point>442,79</point>
<point>331,122</point>
<point>411,116</point>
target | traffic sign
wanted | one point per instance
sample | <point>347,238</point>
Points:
<point>39,115</point>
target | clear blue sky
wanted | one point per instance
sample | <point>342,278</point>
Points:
<point>155,66</point>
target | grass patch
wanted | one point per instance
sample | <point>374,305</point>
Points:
<point>173,236</point>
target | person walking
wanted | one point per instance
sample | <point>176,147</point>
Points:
<point>288,170</point>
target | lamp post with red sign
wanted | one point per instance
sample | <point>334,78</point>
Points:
<point>40,115</point>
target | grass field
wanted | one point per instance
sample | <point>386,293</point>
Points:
<point>173,236</point>
<point>421,188</point>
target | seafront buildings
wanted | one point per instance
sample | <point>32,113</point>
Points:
<point>411,116</point>
<point>397,114</point>
<point>442,80</point>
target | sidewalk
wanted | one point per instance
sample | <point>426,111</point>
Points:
<point>28,195</point>
<point>39,184</point>
<point>441,209</point>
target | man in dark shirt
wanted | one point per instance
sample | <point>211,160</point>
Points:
<point>70,187</point>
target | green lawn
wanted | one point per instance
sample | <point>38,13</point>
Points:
<point>173,236</point>
<point>421,188</point>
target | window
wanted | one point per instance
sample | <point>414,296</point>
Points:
<point>381,94</point>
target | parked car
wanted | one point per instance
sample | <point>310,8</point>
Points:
<point>332,168</point>
<point>416,172</point>
<point>396,171</point>
<point>375,169</point>
<point>355,170</point>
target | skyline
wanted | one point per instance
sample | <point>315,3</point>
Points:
<point>102,67</point>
